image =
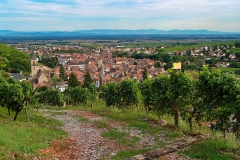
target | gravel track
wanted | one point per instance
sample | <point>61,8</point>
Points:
<point>85,141</point>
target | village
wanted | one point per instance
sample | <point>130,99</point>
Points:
<point>103,66</point>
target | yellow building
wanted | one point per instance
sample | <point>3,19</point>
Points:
<point>177,65</point>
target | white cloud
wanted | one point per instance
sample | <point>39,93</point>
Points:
<point>159,14</point>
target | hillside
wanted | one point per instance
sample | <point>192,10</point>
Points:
<point>13,60</point>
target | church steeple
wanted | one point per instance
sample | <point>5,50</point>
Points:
<point>33,59</point>
<point>102,71</point>
<point>34,67</point>
<point>102,75</point>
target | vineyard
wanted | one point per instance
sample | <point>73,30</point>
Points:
<point>208,96</point>
<point>211,96</point>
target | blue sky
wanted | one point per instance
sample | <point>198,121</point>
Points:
<point>70,15</point>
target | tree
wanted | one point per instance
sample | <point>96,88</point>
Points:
<point>54,97</point>
<point>179,92</point>
<point>160,95</point>
<point>219,94</point>
<point>145,74</point>
<point>237,44</point>
<point>4,87</point>
<point>157,65</point>
<point>188,52</point>
<point>110,94</point>
<point>72,81</point>
<point>146,94</point>
<point>93,93</point>
<point>15,102</point>
<point>62,74</point>
<point>27,91</point>
<point>128,93</point>
<point>51,97</point>
<point>3,62</point>
<point>87,80</point>
<point>79,95</point>
<point>5,74</point>
<point>48,61</point>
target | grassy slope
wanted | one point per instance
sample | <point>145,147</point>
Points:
<point>19,137</point>
<point>213,149</point>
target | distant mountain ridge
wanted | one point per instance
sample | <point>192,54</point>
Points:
<point>109,32</point>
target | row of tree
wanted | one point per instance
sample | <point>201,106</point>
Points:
<point>206,96</point>
<point>16,95</point>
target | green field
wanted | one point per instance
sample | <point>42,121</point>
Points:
<point>227,69</point>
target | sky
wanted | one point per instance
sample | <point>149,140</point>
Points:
<point>71,15</point>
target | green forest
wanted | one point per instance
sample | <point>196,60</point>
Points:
<point>12,60</point>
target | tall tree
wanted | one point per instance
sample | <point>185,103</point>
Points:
<point>180,92</point>
<point>145,74</point>
<point>87,80</point>
<point>72,81</point>
<point>62,74</point>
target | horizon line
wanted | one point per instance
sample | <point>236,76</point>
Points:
<point>122,30</point>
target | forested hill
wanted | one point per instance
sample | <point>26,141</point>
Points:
<point>13,60</point>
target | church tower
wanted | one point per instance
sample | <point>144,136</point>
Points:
<point>102,75</point>
<point>34,66</point>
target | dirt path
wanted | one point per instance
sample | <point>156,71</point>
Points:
<point>85,141</point>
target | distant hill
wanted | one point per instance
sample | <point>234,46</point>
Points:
<point>7,33</point>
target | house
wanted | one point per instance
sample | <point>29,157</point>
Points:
<point>221,54</point>
<point>39,74</point>
<point>121,60</point>
<point>18,76</point>
<point>232,56</point>
<point>62,86</point>
<point>222,64</point>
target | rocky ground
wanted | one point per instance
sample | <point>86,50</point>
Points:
<point>86,143</point>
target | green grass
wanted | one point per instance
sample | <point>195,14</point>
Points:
<point>19,137</point>
<point>80,118</point>
<point>101,124</point>
<point>113,134</point>
<point>121,137</point>
<point>213,149</point>
<point>227,69</point>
